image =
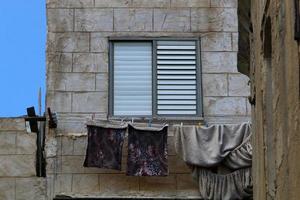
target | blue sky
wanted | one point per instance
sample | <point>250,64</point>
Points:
<point>22,55</point>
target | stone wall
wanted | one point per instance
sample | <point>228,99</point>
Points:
<point>275,87</point>
<point>77,82</point>
<point>17,163</point>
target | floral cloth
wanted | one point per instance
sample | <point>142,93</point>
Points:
<point>104,149</point>
<point>147,152</point>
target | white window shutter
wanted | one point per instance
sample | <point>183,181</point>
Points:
<point>132,78</point>
<point>176,78</point>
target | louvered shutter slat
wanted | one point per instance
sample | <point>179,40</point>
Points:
<point>132,78</point>
<point>176,78</point>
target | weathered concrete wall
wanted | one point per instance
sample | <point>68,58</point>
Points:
<point>77,82</point>
<point>275,83</point>
<point>17,163</point>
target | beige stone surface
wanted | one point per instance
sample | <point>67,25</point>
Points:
<point>31,189</point>
<point>118,183</point>
<point>216,42</point>
<point>71,81</point>
<point>59,62</point>
<point>80,186</point>
<point>72,164</point>
<point>219,62</point>
<point>224,106</point>
<point>151,4</point>
<point>94,20</point>
<point>59,101</point>
<point>190,3</point>
<point>224,3</point>
<point>172,20</point>
<point>12,124</point>
<point>70,3</point>
<point>90,62</point>
<point>99,43</point>
<point>7,188</point>
<point>60,20</point>
<point>215,84</point>
<point>80,145</point>
<point>67,146</point>
<point>92,102</point>
<point>68,42</point>
<point>26,143</point>
<point>238,85</point>
<point>102,82</point>
<point>63,183</point>
<point>163,186</point>
<point>112,3</point>
<point>214,19</point>
<point>133,20</point>
<point>7,142</point>
<point>17,165</point>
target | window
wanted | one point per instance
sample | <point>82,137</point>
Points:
<point>155,78</point>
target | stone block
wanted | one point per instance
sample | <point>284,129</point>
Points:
<point>162,186</point>
<point>171,146</point>
<point>68,42</point>
<point>224,3</point>
<point>54,165</point>
<point>90,62</point>
<point>17,165</point>
<point>249,108</point>
<point>214,19</point>
<point>118,183</point>
<point>71,81</point>
<point>112,3</point>
<point>72,164</point>
<point>31,189</point>
<point>99,43</point>
<point>80,186</point>
<point>80,145</point>
<point>186,186</point>
<point>219,62</point>
<point>172,20</point>
<point>26,143</point>
<point>59,62</point>
<point>190,3</point>
<point>91,102</point>
<point>59,20</point>
<point>133,20</point>
<point>177,165</point>
<point>94,20</point>
<point>59,101</point>
<point>151,4</point>
<point>7,189</point>
<point>102,82</point>
<point>67,146</point>
<point>238,85</point>
<point>63,183</point>
<point>235,41</point>
<point>216,42</point>
<point>12,124</point>
<point>214,84</point>
<point>70,3</point>
<point>222,106</point>
<point>7,142</point>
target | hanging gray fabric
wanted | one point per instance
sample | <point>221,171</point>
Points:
<point>209,146</point>
<point>236,185</point>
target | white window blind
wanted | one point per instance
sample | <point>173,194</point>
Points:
<point>132,78</point>
<point>176,78</point>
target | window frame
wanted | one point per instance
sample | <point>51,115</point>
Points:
<point>153,40</point>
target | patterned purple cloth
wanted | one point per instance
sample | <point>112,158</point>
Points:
<point>147,152</point>
<point>104,149</point>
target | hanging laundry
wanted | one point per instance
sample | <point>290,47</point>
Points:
<point>147,151</point>
<point>236,185</point>
<point>105,143</point>
<point>209,146</point>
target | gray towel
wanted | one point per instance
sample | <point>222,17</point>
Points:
<point>234,186</point>
<point>209,146</point>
